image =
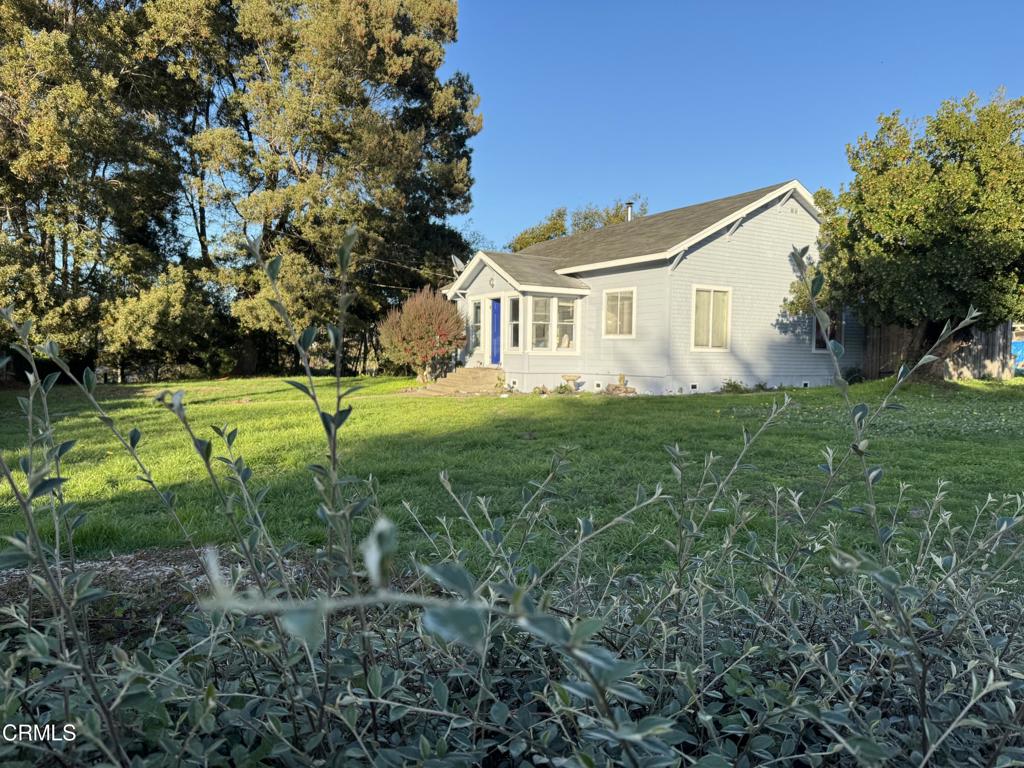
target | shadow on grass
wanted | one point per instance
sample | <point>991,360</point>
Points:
<point>614,445</point>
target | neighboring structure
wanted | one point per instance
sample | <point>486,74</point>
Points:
<point>1017,349</point>
<point>985,355</point>
<point>676,302</point>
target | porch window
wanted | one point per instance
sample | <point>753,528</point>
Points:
<point>541,323</point>
<point>711,318</point>
<point>474,326</point>
<point>619,308</point>
<point>565,328</point>
<point>513,323</point>
<point>834,332</point>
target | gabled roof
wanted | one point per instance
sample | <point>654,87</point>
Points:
<point>661,236</point>
<point>658,233</point>
<point>524,273</point>
<point>532,271</point>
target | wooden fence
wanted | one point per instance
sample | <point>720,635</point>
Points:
<point>987,355</point>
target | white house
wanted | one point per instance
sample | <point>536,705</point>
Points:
<point>676,302</point>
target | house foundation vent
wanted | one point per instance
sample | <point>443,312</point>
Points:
<point>806,384</point>
<point>693,387</point>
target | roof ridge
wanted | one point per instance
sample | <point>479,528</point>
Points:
<point>517,253</point>
<point>613,228</point>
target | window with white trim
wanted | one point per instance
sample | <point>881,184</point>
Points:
<point>540,321</point>
<point>834,332</point>
<point>553,324</point>
<point>711,318</point>
<point>619,312</point>
<point>474,325</point>
<point>514,341</point>
<point>565,325</point>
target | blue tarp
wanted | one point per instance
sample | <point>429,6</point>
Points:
<point>1018,355</point>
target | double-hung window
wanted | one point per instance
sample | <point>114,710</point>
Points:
<point>619,313</point>
<point>711,318</point>
<point>541,323</point>
<point>474,325</point>
<point>565,327</point>
<point>514,341</point>
<point>553,324</point>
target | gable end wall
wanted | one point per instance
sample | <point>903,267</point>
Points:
<point>765,346</point>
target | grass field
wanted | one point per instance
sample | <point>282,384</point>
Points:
<point>971,435</point>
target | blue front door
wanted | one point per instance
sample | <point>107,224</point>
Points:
<point>495,331</point>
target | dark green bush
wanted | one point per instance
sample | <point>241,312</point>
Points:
<point>755,649</point>
<point>734,387</point>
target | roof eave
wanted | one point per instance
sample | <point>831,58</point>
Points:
<point>612,263</point>
<point>794,187</point>
<point>474,265</point>
<point>554,289</point>
<point>481,258</point>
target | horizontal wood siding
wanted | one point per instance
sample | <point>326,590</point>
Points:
<point>486,282</point>
<point>645,356</point>
<point>765,345</point>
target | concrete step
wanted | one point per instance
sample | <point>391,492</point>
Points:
<point>468,381</point>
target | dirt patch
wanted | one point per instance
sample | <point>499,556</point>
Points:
<point>143,586</point>
<point>135,573</point>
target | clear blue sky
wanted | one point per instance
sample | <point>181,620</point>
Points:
<point>685,101</point>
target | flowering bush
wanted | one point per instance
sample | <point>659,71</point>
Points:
<point>424,333</point>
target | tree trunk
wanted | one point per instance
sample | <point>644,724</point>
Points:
<point>198,205</point>
<point>65,264</point>
<point>364,352</point>
<point>921,341</point>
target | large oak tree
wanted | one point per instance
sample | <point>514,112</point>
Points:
<point>933,221</point>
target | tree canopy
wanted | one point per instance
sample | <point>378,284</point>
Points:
<point>933,221</point>
<point>170,322</point>
<point>583,219</point>
<point>335,117</point>
<point>140,136</point>
<point>89,176</point>
<point>552,227</point>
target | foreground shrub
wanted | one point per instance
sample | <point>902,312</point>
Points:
<point>424,333</point>
<point>757,648</point>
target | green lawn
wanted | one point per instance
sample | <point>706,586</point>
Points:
<point>970,435</point>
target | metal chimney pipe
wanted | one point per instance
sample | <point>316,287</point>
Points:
<point>629,210</point>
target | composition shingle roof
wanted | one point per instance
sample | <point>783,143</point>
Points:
<point>644,235</point>
<point>533,270</point>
